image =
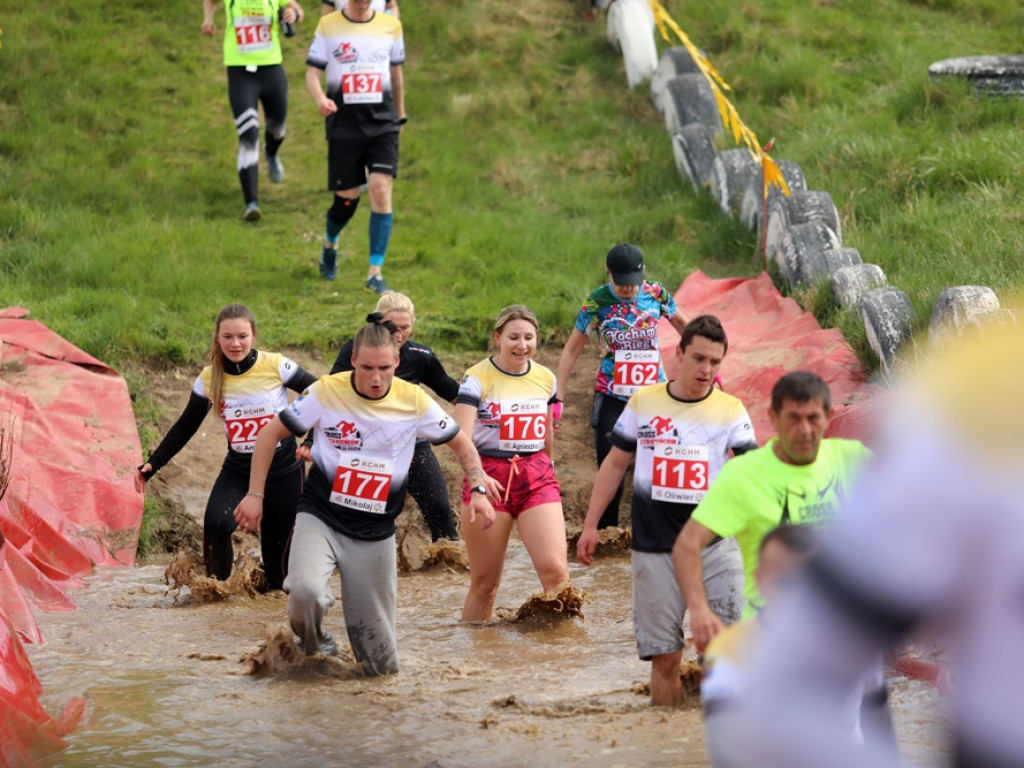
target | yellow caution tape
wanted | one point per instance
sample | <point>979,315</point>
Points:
<point>741,134</point>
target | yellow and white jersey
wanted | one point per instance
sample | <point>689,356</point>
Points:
<point>680,446</point>
<point>511,408</point>
<point>250,400</point>
<point>362,449</point>
<point>357,58</point>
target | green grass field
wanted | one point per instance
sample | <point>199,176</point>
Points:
<point>525,158</point>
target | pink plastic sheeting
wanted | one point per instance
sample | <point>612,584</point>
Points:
<point>71,503</point>
<point>769,335</point>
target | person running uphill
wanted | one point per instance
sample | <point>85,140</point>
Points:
<point>418,365</point>
<point>681,432</point>
<point>625,313</point>
<point>252,54</point>
<point>361,52</point>
<point>505,402</point>
<point>249,387</point>
<point>366,423</point>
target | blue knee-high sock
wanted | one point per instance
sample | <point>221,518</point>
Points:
<point>380,233</point>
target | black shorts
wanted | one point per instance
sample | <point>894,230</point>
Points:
<point>349,160</point>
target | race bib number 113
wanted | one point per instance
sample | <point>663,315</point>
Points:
<point>680,474</point>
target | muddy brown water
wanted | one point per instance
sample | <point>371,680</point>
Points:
<point>166,684</point>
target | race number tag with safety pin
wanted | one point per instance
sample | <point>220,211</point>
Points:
<point>252,33</point>
<point>680,474</point>
<point>523,426</point>
<point>244,424</point>
<point>362,83</point>
<point>362,482</point>
<point>635,368</point>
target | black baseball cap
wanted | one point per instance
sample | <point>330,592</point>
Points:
<point>626,263</point>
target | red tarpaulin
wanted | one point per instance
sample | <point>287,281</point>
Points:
<point>770,335</point>
<point>71,503</point>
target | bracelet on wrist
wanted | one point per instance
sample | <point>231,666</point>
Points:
<point>403,120</point>
<point>257,495</point>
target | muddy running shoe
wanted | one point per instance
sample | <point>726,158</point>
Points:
<point>377,283</point>
<point>252,212</point>
<point>328,263</point>
<point>275,168</point>
<point>327,645</point>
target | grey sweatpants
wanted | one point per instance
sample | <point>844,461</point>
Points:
<point>369,581</point>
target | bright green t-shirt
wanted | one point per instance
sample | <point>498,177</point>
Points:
<point>756,492</point>
<point>251,35</point>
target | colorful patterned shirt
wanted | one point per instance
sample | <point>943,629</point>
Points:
<point>628,331</point>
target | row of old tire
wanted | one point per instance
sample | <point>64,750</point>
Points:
<point>802,231</point>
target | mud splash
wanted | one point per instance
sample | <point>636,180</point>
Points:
<point>690,674</point>
<point>415,553</point>
<point>279,656</point>
<point>187,572</point>
<point>563,602</point>
<point>611,542</point>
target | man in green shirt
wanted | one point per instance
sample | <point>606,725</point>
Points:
<point>798,477</point>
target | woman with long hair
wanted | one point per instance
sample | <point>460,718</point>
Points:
<point>247,387</point>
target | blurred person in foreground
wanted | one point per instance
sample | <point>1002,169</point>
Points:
<point>783,551</point>
<point>932,532</point>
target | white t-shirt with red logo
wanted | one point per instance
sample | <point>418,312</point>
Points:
<point>511,408</point>
<point>362,449</point>
<point>680,446</point>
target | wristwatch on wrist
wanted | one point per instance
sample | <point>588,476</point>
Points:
<point>479,489</point>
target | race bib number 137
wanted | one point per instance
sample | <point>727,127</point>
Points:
<point>362,83</point>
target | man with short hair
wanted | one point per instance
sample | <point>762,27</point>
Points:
<point>681,432</point>
<point>798,477</point>
<point>361,52</point>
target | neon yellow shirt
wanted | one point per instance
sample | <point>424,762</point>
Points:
<point>252,33</point>
<point>756,491</point>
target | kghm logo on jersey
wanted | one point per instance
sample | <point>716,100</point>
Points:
<point>346,53</point>
<point>344,436</point>
<point>658,431</point>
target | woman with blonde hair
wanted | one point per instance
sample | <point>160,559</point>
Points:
<point>505,402</point>
<point>417,364</point>
<point>248,387</point>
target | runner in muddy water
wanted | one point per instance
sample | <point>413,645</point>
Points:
<point>366,423</point>
<point>798,477</point>
<point>681,432</point>
<point>249,386</point>
<point>506,402</point>
<point>418,365</point>
<point>625,313</point>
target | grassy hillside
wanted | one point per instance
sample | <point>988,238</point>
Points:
<point>525,158</point>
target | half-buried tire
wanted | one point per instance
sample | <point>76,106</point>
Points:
<point>887,315</point>
<point>799,208</point>
<point>673,62</point>
<point>689,99</point>
<point>801,246</point>
<point>852,282</point>
<point>694,153</point>
<point>731,174</point>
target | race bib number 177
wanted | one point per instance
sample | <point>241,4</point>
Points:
<point>362,483</point>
